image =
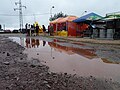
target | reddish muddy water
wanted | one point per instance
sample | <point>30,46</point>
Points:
<point>68,59</point>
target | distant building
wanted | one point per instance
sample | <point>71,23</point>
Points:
<point>109,27</point>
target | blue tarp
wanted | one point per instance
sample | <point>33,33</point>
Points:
<point>87,18</point>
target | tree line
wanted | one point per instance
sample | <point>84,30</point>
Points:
<point>58,15</point>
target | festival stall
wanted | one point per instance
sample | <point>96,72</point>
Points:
<point>55,24</point>
<point>68,28</point>
<point>85,24</point>
<point>64,26</point>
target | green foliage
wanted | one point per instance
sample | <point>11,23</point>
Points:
<point>51,30</point>
<point>0,26</point>
<point>113,16</point>
<point>58,15</point>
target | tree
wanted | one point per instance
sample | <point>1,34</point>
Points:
<point>51,30</point>
<point>58,15</point>
<point>0,26</point>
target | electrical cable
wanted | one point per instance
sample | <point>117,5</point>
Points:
<point>25,15</point>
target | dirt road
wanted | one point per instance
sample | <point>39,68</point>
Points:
<point>19,73</point>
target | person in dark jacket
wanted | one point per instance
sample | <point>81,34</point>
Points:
<point>44,29</point>
<point>32,30</point>
<point>26,27</point>
<point>48,29</point>
<point>37,29</point>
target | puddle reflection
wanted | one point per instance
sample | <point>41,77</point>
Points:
<point>63,58</point>
<point>33,43</point>
<point>88,53</point>
<point>108,61</point>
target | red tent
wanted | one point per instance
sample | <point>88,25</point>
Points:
<point>54,24</point>
<point>65,24</point>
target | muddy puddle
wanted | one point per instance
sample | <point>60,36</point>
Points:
<point>72,58</point>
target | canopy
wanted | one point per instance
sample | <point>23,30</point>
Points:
<point>55,21</point>
<point>67,19</point>
<point>62,20</point>
<point>88,17</point>
<point>112,16</point>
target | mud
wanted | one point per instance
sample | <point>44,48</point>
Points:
<point>17,72</point>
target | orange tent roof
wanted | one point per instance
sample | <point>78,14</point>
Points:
<point>62,20</point>
<point>68,18</point>
<point>55,21</point>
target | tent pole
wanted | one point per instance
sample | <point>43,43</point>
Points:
<point>67,28</point>
<point>56,28</point>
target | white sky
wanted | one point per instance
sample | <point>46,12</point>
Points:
<point>69,7</point>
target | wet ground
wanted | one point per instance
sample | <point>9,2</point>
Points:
<point>83,59</point>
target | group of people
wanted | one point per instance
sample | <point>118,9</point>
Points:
<point>33,29</point>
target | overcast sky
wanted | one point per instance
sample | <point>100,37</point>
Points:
<point>42,7</point>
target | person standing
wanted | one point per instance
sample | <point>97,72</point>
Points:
<point>28,28</point>
<point>34,26</point>
<point>37,29</point>
<point>32,30</point>
<point>44,29</point>
<point>48,29</point>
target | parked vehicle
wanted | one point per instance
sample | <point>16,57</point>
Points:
<point>1,31</point>
<point>15,31</point>
<point>24,31</point>
<point>7,31</point>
